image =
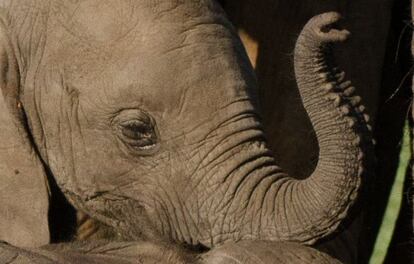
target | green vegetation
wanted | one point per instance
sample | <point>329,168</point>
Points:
<point>394,204</point>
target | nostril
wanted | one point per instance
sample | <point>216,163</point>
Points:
<point>327,28</point>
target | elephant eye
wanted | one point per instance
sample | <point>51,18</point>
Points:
<point>137,130</point>
<point>143,134</point>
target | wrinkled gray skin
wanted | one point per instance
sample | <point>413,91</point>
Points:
<point>144,113</point>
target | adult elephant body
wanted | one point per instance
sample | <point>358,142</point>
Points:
<point>374,58</point>
<point>145,115</point>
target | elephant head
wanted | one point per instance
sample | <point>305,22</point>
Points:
<point>145,114</point>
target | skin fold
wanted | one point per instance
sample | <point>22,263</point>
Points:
<point>248,252</point>
<point>145,115</point>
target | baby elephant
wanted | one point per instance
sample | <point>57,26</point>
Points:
<point>144,115</point>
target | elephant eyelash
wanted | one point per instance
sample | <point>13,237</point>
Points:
<point>139,134</point>
<point>137,131</point>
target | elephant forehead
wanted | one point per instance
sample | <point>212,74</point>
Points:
<point>100,21</point>
<point>94,33</point>
<point>105,21</point>
<point>179,57</point>
<point>186,84</point>
<point>181,63</point>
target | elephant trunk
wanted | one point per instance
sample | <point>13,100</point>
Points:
<point>242,194</point>
<point>282,207</point>
<point>343,136</point>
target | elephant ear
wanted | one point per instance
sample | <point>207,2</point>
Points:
<point>24,199</point>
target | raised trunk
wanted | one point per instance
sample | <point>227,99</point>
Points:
<point>268,204</point>
<point>340,124</point>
